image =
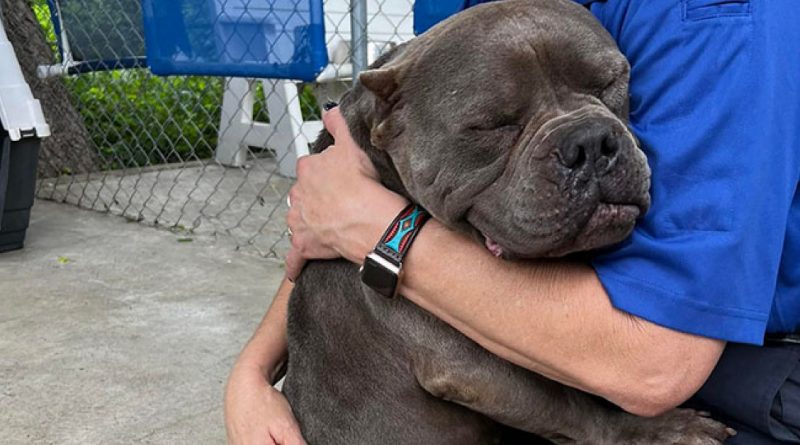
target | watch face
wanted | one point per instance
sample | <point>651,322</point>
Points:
<point>378,277</point>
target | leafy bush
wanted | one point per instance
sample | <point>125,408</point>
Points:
<point>136,119</point>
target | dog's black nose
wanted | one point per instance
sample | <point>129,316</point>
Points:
<point>590,145</point>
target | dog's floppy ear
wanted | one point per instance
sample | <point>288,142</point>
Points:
<point>385,75</point>
<point>382,82</point>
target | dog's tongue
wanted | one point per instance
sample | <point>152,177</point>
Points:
<point>493,246</point>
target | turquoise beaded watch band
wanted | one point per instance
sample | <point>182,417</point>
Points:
<point>382,268</point>
<point>398,237</point>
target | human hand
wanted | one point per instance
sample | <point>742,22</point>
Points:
<point>338,208</point>
<point>256,413</point>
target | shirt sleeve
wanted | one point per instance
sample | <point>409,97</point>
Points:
<point>718,119</point>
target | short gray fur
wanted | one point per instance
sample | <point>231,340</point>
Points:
<point>477,120</point>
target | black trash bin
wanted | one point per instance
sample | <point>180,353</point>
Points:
<point>17,187</point>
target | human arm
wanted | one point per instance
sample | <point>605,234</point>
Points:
<point>255,412</point>
<point>555,318</point>
<point>551,317</point>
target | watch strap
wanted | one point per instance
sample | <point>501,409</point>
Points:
<point>397,239</point>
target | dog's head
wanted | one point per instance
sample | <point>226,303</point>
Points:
<point>509,121</point>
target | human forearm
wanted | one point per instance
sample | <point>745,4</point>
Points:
<point>255,412</point>
<point>552,317</point>
<point>556,319</point>
<point>266,349</point>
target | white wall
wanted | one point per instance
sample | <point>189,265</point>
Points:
<point>388,20</point>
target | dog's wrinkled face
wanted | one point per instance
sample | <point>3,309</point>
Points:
<point>525,145</point>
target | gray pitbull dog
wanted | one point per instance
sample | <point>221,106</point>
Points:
<point>508,122</point>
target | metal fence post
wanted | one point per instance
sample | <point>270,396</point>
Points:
<point>358,36</point>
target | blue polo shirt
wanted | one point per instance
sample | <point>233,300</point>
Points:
<point>715,102</point>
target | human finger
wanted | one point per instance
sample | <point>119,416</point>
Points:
<point>294,264</point>
<point>335,124</point>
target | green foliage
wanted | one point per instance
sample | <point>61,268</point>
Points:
<point>43,16</point>
<point>308,103</point>
<point>136,119</point>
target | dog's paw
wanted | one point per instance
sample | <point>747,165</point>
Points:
<point>680,427</point>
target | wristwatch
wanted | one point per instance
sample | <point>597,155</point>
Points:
<point>383,267</point>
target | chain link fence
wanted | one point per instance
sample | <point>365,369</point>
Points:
<point>195,154</point>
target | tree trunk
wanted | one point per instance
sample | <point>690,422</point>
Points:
<point>69,149</point>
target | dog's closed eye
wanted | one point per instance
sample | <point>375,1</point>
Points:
<point>492,127</point>
<point>505,122</point>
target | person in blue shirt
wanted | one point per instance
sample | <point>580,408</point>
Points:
<point>698,306</point>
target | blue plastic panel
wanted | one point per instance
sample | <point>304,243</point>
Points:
<point>283,39</point>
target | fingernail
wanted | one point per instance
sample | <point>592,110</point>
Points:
<point>329,105</point>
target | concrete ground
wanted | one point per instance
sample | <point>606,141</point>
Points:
<point>116,333</point>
